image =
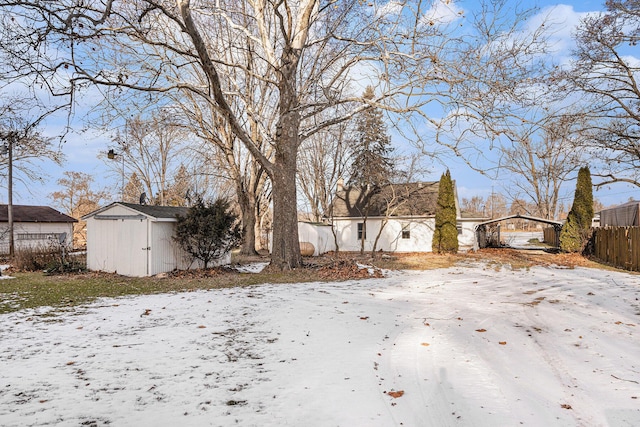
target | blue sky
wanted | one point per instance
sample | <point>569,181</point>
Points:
<point>82,150</point>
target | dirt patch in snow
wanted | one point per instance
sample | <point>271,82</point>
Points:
<point>514,258</point>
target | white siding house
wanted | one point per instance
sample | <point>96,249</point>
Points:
<point>136,240</point>
<point>38,227</point>
<point>400,216</point>
<point>400,234</point>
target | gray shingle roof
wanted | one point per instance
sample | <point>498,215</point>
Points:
<point>411,199</point>
<point>24,213</point>
<point>158,211</point>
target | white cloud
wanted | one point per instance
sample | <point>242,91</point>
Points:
<point>561,21</point>
<point>442,12</point>
<point>391,8</point>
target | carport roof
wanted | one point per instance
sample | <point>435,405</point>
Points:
<point>530,218</point>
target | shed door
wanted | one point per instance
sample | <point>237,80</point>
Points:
<point>131,247</point>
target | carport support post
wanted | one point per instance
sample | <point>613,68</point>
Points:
<point>557,228</point>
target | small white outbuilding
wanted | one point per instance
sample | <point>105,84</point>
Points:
<point>136,240</point>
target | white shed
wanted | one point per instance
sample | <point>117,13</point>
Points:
<point>136,240</point>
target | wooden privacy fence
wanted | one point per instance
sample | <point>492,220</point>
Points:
<point>551,236</point>
<point>619,246</point>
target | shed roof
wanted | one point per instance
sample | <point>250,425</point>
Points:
<point>411,199</point>
<point>24,213</point>
<point>158,212</point>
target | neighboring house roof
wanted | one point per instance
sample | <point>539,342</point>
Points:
<point>23,213</point>
<point>411,199</point>
<point>158,212</point>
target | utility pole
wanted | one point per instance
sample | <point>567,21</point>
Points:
<point>492,202</point>
<point>10,197</point>
<point>7,149</point>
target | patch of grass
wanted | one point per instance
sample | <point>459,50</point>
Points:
<point>395,261</point>
<point>35,289</point>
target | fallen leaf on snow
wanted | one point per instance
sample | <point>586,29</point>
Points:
<point>502,342</point>
<point>566,406</point>
<point>481,330</point>
<point>201,327</point>
<point>426,344</point>
<point>396,394</point>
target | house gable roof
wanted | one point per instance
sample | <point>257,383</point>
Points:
<point>24,213</point>
<point>157,212</point>
<point>411,199</point>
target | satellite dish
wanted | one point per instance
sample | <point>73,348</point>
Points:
<point>62,237</point>
<point>143,198</point>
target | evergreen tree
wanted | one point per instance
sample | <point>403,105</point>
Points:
<point>177,192</point>
<point>576,230</point>
<point>208,231</point>
<point>133,189</point>
<point>445,236</point>
<point>372,165</point>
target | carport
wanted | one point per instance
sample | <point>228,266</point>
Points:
<point>488,232</point>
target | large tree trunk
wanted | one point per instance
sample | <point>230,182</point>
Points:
<point>285,248</point>
<point>248,209</point>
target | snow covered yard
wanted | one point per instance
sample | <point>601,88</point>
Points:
<point>476,345</point>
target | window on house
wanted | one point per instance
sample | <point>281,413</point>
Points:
<point>406,232</point>
<point>459,227</point>
<point>362,231</point>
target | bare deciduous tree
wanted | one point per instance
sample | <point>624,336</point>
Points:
<point>234,164</point>
<point>606,73</point>
<point>510,118</point>
<point>542,159</point>
<point>21,119</point>
<point>322,162</point>
<point>76,199</point>
<point>474,205</point>
<point>152,150</point>
<point>313,57</point>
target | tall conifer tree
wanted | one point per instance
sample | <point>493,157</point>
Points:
<point>445,236</point>
<point>576,230</point>
<point>372,165</point>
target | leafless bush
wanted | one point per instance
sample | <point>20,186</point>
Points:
<point>51,258</point>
